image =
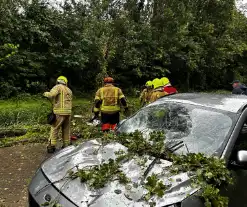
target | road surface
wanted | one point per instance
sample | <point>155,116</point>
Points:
<point>18,164</point>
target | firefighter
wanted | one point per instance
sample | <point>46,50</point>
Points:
<point>158,90</point>
<point>146,93</point>
<point>107,101</point>
<point>168,88</point>
<point>61,97</point>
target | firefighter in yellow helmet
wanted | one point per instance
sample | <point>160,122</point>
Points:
<point>61,97</point>
<point>107,101</point>
<point>168,88</point>
<point>146,93</point>
<point>158,90</point>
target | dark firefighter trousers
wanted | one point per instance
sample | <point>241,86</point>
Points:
<point>109,121</point>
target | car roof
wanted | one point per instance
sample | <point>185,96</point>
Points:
<point>226,102</point>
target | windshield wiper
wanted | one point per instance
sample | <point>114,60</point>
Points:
<point>175,147</point>
<point>172,149</point>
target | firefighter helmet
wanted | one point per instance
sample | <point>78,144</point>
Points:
<point>165,81</point>
<point>108,80</point>
<point>62,79</point>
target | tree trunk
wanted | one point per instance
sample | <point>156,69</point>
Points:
<point>12,132</point>
<point>188,81</point>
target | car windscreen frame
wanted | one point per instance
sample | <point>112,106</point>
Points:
<point>233,116</point>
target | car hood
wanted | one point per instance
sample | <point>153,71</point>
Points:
<point>91,153</point>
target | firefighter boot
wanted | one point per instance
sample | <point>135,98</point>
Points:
<point>51,149</point>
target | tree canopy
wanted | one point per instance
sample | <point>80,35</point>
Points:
<point>198,44</point>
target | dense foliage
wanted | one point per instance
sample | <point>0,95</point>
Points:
<point>199,44</point>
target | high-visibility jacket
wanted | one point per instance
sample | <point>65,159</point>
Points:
<point>62,99</point>
<point>109,97</point>
<point>145,96</point>
<point>157,93</point>
<point>170,90</point>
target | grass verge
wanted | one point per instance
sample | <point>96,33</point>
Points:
<point>29,113</point>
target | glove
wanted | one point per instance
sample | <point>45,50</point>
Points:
<point>96,116</point>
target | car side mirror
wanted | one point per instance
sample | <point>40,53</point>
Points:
<point>242,158</point>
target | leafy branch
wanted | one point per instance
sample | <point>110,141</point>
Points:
<point>209,173</point>
<point>154,187</point>
<point>98,176</point>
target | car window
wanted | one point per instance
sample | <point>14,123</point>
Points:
<point>202,130</point>
<point>241,142</point>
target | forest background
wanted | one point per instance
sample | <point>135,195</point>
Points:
<point>200,45</point>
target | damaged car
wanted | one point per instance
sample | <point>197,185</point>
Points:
<point>192,123</point>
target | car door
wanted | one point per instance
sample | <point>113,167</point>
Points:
<point>237,193</point>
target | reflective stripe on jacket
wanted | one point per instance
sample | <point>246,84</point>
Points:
<point>62,99</point>
<point>109,96</point>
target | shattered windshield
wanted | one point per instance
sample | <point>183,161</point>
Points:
<point>200,129</point>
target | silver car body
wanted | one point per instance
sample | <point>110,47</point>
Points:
<point>90,153</point>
